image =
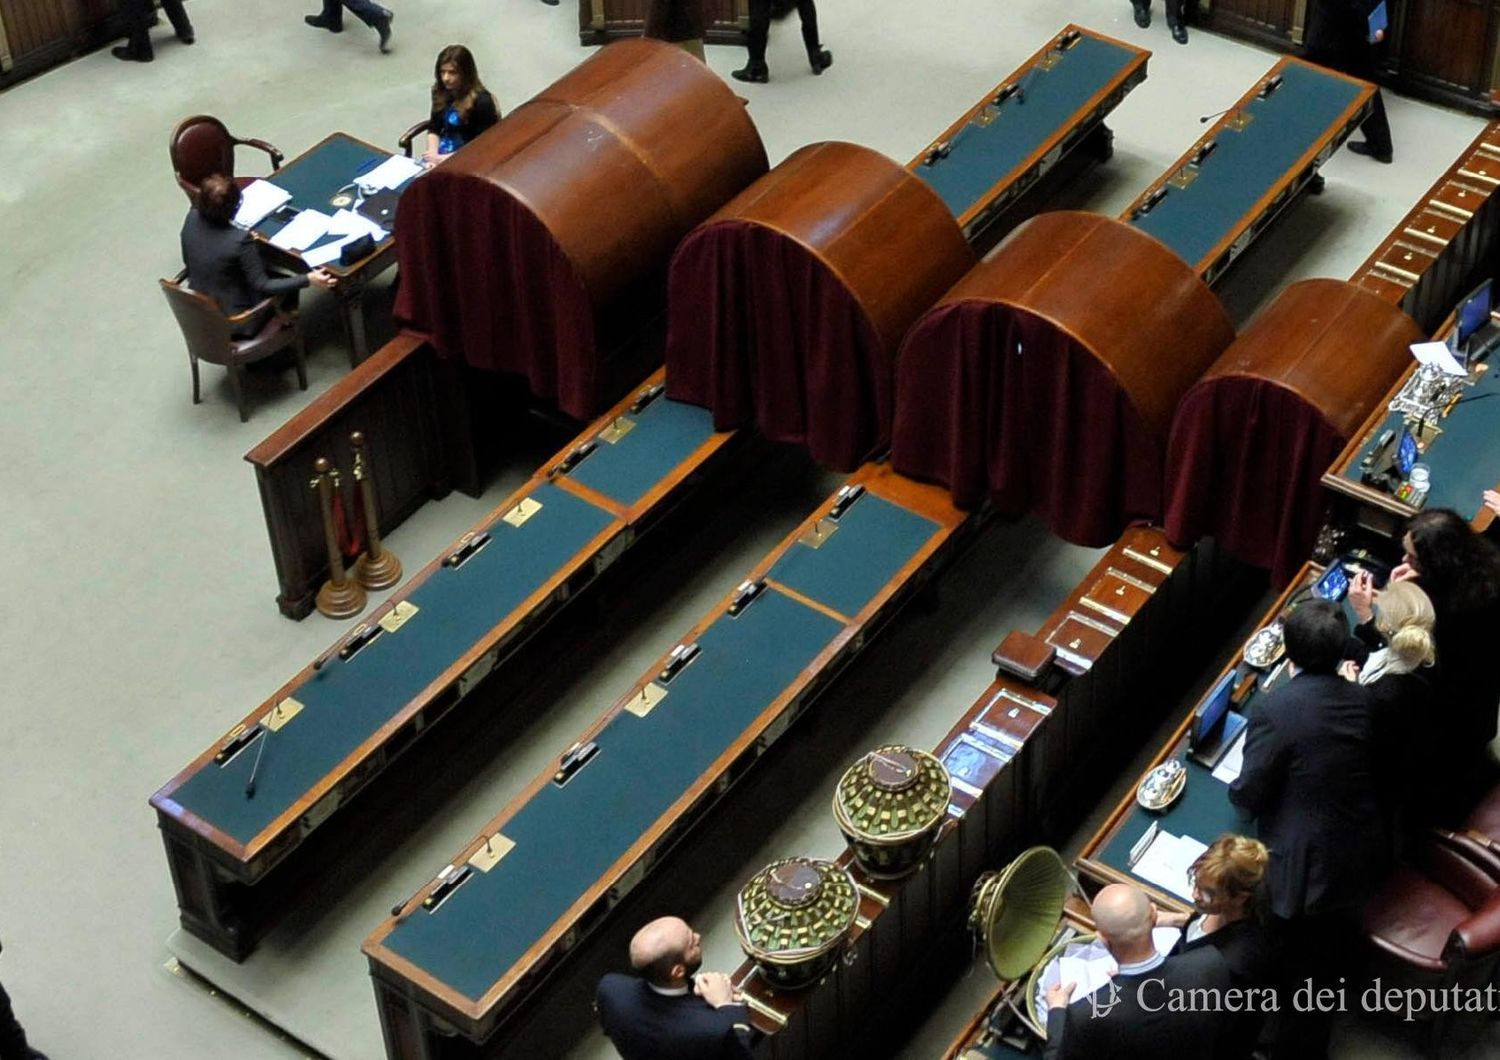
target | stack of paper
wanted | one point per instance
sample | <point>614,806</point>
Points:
<point>257,201</point>
<point>1228,769</point>
<point>392,173</point>
<point>1437,353</point>
<point>347,226</point>
<point>306,228</point>
<point>1166,863</point>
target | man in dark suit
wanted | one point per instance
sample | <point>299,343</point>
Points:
<point>669,1010</point>
<point>1309,780</point>
<point>224,263</point>
<point>1132,1018</point>
<point>756,70</point>
<point>370,13</point>
<point>1174,18</point>
<point>138,19</point>
<point>1338,37</point>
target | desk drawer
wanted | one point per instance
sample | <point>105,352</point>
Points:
<point>1117,596</point>
<point>1458,199</point>
<point>1080,639</point>
<point>1430,228</point>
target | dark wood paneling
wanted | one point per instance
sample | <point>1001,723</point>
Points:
<point>601,21</point>
<point>40,34</point>
<point>1445,41</point>
<point>1254,17</point>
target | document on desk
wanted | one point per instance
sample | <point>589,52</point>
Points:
<point>1228,769</point>
<point>257,201</point>
<point>347,222</point>
<point>1166,863</point>
<point>326,252</point>
<point>392,173</point>
<point>306,228</point>
<point>1437,353</point>
<point>1091,966</point>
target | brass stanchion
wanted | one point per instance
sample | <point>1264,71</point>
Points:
<point>341,596</point>
<point>377,567</point>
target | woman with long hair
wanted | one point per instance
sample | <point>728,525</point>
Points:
<point>462,107</point>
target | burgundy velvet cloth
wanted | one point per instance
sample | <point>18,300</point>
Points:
<point>485,283</point>
<point>1245,463</point>
<point>994,401</point>
<point>762,332</point>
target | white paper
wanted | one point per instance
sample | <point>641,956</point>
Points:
<point>1439,354</point>
<point>1228,769</point>
<point>257,201</point>
<point>1090,965</point>
<point>392,173</point>
<point>322,255</point>
<point>1166,863</point>
<point>306,228</point>
<point>347,222</point>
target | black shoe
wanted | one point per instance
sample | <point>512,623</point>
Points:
<point>1179,32</point>
<point>383,27</point>
<point>187,38</point>
<point>550,3</point>
<point>1362,147</point>
<point>130,55</point>
<point>757,75</point>
<point>1142,14</point>
<point>319,22</point>
<point>820,60</point>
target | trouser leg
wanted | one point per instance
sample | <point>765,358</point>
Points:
<point>138,24</point>
<point>1377,127</point>
<point>367,12</point>
<point>177,15</point>
<point>807,11</point>
<point>12,1038</point>
<point>1174,12</point>
<point>760,30</point>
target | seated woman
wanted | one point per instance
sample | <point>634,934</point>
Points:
<point>224,263</point>
<point>1228,892</point>
<point>462,107</point>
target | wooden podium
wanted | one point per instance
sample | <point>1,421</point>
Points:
<point>601,21</point>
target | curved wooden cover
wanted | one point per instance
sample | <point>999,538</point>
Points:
<point>1254,436</point>
<point>786,308</point>
<point>1048,377</point>
<point>512,250</point>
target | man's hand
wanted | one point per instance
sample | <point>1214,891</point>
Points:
<point>715,988</point>
<point>1362,596</point>
<point>1349,670</point>
<point>1058,996</point>
<point>323,278</point>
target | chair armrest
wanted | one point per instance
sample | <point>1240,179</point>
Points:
<point>261,145</point>
<point>411,134</point>
<point>240,318</point>
<point>1479,935</point>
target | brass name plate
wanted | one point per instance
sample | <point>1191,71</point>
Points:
<point>622,426</point>
<point>281,713</point>
<point>1183,177</point>
<point>523,511</point>
<point>489,855</point>
<point>1240,120</point>
<point>399,616</point>
<point>646,700</point>
<point>817,536</point>
<point>986,116</point>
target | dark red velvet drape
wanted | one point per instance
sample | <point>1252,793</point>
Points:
<point>994,401</point>
<point>1244,464</point>
<point>763,332</point>
<point>484,281</point>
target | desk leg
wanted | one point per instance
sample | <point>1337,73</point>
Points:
<point>351,292</point>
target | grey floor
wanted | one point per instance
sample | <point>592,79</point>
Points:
<point>140,619</point>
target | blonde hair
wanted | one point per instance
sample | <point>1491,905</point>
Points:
<point>1404,616</point>
<point>1231,870</point>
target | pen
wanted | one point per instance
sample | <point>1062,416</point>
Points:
<point>371,164</point>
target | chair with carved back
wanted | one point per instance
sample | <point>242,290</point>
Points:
<point>202,146</point>
<point>208,331</point>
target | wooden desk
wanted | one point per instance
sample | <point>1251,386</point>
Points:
<point>314,178</point>
<point>465,953</point>
<point>333,729</point>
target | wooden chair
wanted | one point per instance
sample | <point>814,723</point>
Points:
<point>207,330</point>
<point>202,146</point>
<point>410,136</point>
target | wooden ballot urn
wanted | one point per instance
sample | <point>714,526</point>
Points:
<point>889,805</point>
<point>1017,914</point>
<point>792,919</point>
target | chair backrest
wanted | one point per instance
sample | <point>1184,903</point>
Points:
<point>200,147</point>
<point>1457,864</point>
<point>204,325</point>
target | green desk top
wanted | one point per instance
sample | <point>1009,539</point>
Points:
<point>1465,458</point>
<point>321,174</point>
<point>1191,221</point>
<point>982,156</point>
<point>347,701</point>
<point>567,837</point>
<point>665,433</point>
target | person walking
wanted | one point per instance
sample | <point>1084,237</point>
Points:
<point>138,19</point>
<point>370,13</point>
<point>756,71</point>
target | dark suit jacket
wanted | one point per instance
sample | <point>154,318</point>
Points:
<point>1309,780</point>
<point>1338,32</point>
<point>676,20</point>
<point>1139,1027</point>
<point>225,264</point>
<point>645,1025</point>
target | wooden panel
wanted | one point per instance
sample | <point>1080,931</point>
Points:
<point>601,21</point>
<point>1260,17</point>
<point>38,34</point>
<point>1446,41</point>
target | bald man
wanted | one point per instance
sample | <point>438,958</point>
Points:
<point>1131,1017</point>
<point>669,1010</point>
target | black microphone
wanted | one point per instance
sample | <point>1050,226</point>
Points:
<point>265,738</point>
<point>1206,118</point>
